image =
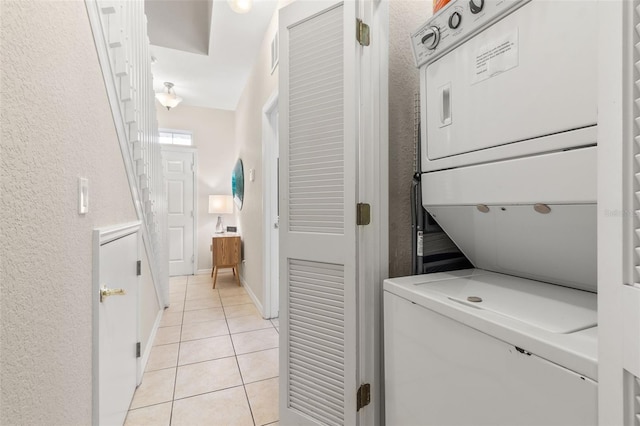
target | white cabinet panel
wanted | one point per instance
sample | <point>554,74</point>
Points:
<point>440,372</point>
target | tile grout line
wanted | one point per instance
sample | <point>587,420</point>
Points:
<point>195,395</point>
<point>146,371</point>
<point>190,285</point>
<point>175,379</point>
<point>244,387</point>
<point>215,359</point>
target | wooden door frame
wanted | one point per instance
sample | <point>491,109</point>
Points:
<point>268,192</point>
<point>194,151</point>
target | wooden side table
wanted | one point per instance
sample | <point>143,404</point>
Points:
<point>226,254</point>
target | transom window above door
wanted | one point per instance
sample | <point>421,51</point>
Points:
<point>176,137</point>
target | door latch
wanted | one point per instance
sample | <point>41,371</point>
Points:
<point>106,292</point>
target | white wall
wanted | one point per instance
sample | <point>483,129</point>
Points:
<point>214,136</point>
<point>56,126</point>
<point>404,17</point>
<point>260,85</point>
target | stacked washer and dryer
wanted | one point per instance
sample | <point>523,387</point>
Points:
<point>509,116</point>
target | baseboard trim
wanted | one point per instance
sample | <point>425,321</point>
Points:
<point>253,297</point>
<point>203,271</point>
<point>149,345</point>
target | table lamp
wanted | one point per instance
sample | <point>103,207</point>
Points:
<point>220,204</point>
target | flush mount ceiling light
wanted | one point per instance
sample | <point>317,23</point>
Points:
<point>240,6</point>
<point>168,99</point>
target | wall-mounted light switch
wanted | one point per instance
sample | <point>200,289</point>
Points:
<point>252,175</point>
<point>83,195</point>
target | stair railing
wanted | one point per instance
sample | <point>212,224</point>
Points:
<point>120,33</point>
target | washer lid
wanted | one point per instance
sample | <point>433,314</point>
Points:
<point>547,306</point>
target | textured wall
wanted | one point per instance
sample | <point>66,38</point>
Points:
<point>260,85</point>
<point>404,17</point>
<point>214,136</point>
<point>56,126</point>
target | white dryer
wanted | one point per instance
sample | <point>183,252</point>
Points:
<point>508,96</point>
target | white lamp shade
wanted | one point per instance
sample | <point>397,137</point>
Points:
<point>240,6</point>
<point>168,100</point>
<point>220,204</point>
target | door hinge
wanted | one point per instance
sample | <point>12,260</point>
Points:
<point>363,214</point>
<point>364,396</point>
<point>137,349</point>
<point>139,268</point>
<point>362,33</point>
<point>193,258</point>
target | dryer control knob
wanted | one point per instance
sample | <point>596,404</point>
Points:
<point>455,20</point>
<point>431,38</point>
<point>476,6</point>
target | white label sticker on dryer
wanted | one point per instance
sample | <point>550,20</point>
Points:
<point>496,57</point>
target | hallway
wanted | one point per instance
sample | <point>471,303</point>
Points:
<point>214,360</point>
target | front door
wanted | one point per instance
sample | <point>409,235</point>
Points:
<point>318,163</point>
<point>115,362</point>
<point>179,178</point>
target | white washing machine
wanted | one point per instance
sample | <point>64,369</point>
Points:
<point>508,94</point>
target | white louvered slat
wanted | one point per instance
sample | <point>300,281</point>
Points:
<point>304,342</point>
<point>332,364</point>
<point>636,150</point>
<point>316,149</point>
<point>316,351</point>
<point>636,400</point>
<point>630,344</point>
<point>310,393</point>
<point>318,315</point>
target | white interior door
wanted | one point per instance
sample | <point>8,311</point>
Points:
<point>179,178</point>
<point>115,362</point>
<point>318,177</point>
<point>274,214</point>
<point>270,203</point>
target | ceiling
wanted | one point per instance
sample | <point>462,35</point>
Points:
<point>204,48</point>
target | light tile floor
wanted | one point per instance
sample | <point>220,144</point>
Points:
<point>214,360</point>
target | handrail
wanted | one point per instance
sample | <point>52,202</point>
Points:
<point>120,34</point>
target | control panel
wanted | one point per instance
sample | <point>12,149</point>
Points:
<point>456,22</point>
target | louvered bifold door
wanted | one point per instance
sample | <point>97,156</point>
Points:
<point>318,145</point>
<point>630,294</point>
